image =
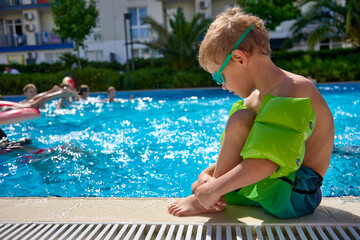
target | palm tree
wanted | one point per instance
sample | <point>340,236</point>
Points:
<point>324,20</point>
<point>179,46</point>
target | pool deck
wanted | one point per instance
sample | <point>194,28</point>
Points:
<point>332,211</point>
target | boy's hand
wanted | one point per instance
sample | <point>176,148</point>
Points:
<point>68,92</point>
<point>208,197</point>
<point>55,88</point>
<point>203,177</point>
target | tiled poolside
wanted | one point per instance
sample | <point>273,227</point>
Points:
<point>147,218</point>
<point>154,210</point>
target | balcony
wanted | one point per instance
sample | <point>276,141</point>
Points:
<point>43,40</point>
<point>22,4</point>
<point>7,40</point>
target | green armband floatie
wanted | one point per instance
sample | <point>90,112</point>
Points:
<point>280,129</point>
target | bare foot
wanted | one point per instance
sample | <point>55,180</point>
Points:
<point>189,206</point>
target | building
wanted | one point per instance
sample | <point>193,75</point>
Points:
<point>26,25</point>
<point>26,33</point>
<point>26,28</point>
<point>109,38</point>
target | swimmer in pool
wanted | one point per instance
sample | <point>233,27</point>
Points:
<point>30,92</point>
<point>84,92</point>
<point>111,92</point>
<point>39,100</point>
<point>65,101</point>
<point>260,163</point>
<point>7,146</point>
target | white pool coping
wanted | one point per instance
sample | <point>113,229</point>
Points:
<point>339,211</point>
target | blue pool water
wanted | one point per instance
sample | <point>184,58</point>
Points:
<point>154,145</point>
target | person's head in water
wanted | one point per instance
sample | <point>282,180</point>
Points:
<point>84,91</point>
<point>69,81</point>
<point>30,91</point>
<point>111,92</point>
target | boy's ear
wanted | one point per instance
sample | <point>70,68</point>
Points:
<point>239,56</point>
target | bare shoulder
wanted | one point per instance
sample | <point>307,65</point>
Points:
<point>299,87</point>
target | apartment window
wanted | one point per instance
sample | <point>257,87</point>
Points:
<point>139,29</point>
<point>169,15</point>
<point>49,58</point>
<point>13,29</point>
<point>142,53</point>
<point>97,23</point>
<point>97,37</point>
<point>96,56</point>
<point>52,57</point>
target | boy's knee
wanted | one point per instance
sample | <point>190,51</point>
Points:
<point>240,121</point>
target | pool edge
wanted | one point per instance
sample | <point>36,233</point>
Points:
<point>342,210</point>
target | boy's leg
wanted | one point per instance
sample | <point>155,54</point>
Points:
<point>236,132</point>
<point>239,124</point>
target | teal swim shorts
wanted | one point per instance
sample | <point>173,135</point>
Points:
<point>286,197</point>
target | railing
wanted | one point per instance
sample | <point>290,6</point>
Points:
<point>13,3</point>
<point>7,40</point>
<point>41,38</point>
<point>45,38</point>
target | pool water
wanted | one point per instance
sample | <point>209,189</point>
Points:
<point>153,145</point>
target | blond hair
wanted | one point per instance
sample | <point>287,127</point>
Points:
<point>224,32</point>
<point>27,86</point>
<point>111,88</point>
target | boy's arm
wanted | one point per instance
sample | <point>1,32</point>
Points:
<point>248,172</point>
<point>42,100</point>
<point>206,174</point>
<point>55,88</point>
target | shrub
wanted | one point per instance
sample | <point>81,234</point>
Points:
<point>324,66</point>
<point>165,77</point>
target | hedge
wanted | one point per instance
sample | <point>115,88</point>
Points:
<point>324,66</point>
<point>165,77</point>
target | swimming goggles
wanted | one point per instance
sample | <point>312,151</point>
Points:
<point>217,76</point>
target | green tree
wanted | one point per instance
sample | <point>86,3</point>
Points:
<point>273,12</point>
<point>74,19</point>
<point>328,20</point>
<point>353,20</point>
<point>179,46</point>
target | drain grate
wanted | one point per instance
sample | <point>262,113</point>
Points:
<point>131,231</point>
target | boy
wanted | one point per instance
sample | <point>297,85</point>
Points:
<point>30,91</point>
<point>84,92</point>
<point>67,83</point>
<point>250,169</point>
<point>111,92</point>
